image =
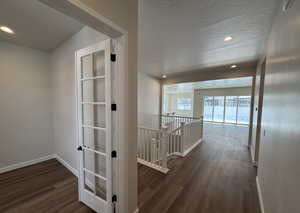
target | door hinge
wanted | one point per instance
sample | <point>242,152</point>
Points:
<point>113,57</point>
<point>79,148</point>
<point>114,154</point>
<point>114,107</point>
<point>114,200</point>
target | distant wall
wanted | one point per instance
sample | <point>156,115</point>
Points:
<point>200,93</point>
<point>172,103</point>
<point>149,98</point>
<point>25,109</point>
<point>64,96</point>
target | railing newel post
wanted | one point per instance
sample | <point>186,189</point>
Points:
<point>164,147</point>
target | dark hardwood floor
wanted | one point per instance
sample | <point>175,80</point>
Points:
<point>216,177</point>
<point>42,188</point>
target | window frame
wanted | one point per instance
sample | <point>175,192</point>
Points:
<point>184,104</point>
<point>224,111</point>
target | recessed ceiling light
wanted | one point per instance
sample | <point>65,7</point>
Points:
<point>164,76</point>
<point>233,66</point>
<point>228,38</point>
<point>6,29</point>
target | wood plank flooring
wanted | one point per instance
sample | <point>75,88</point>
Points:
<point>216,177</point>
<point>42,188</point>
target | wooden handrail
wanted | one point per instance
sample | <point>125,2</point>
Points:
<point>178,116</point>
<point>146,128</point>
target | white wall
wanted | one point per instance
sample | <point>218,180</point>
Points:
<point>200,93</point>
<point>25,109</point>
<point>63,96</point>
<point>278,164</point>
<point>171,98</point>
<point>149,94</point>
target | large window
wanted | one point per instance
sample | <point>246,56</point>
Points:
<point>231,109</point>
<point>218,109</point>
<point>227,109</point>
<point>184,104</point>
<point>243,110</point>
<point>208,108</point>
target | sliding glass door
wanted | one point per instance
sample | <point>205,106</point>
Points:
<point>227,109</point>
<point>243,110</point>
<point>231,109</point>
<point>218,108</point>
<point>208,108</point>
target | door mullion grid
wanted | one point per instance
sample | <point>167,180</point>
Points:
<point>84,195</point>
<point>79,118</point>
<point>108,124</point>
<point>224,109</point>
<point>213,111</point>
<point>237,110</point>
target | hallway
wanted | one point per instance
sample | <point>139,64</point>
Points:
<point>216,177</point>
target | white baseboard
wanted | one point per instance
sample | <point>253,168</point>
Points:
<point>261,203</point>
<point>252,157</point>
<point>68,166</point>
<point>192,147</point>
<point>26,163</point>
<point>39,160</point>
<point>153,166</point>
<point>176,154</point>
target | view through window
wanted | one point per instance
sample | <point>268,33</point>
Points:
<point>227,109</point>
<point>184,104</point>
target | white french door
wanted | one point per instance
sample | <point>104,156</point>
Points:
<point>94,91</point>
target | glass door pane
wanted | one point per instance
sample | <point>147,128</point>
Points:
<point>94,69</point>
<point>243,109</point>
<point>93,90</point>
<point>218,109</point>
<point>231,107</point>
<point>208,108</point>
<point>93,65</point>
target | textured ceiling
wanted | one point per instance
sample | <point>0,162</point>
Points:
<point>35,25</point>
<point>184,35</point>
<point>224,83</point>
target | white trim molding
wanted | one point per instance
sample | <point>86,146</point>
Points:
<point>39,160</point>
<point>153,166</point>
<point>261,202</point>
<point>67,165</point>
<point>26,163</point>
<point>255,163</point>
<point>186,152</point>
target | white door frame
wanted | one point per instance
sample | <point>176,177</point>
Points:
<point>88,16</point>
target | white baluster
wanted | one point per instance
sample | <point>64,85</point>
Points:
<point>182,140</point>
<point>153,150</point>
